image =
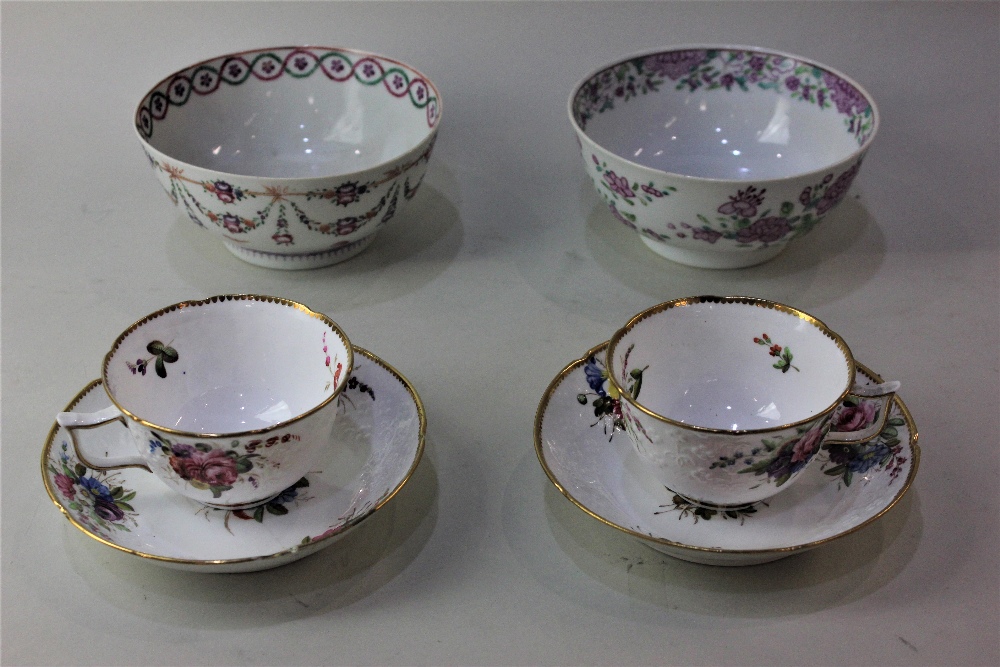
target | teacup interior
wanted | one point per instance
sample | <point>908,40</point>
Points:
<point>342,112</point>
<point>732,365</point>
<point>227,366</point>
<point>738,132</point>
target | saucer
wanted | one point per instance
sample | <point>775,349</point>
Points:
<point>593,463</point>
<point>376,444</point>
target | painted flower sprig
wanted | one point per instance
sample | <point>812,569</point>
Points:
<point>784,354</point>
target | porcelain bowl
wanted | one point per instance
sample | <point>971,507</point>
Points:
<point>718,156</point>
<point>294,156</point>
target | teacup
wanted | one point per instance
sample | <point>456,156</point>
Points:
<point>728,399</point>
<point>229,400</point>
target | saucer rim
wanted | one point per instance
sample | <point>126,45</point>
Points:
<point>662,541</point>
<point>284,553</point>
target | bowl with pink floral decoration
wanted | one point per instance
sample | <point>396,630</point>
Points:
<point>719,156</point>
<point>294,156</point>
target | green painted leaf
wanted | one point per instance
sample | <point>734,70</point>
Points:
<point>128,496</point>
<point>161,370</point>
<point>169,355</point>
<point>124,506</point>
<point>889,432</point>
<point>276,509</point>
<point>80,470</point>
<point>155,347</point>
<point>117,492</point>
<point>896,421</point>
<point>258,514</point>
<point>581,399</point>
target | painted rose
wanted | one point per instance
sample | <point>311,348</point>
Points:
<point>231,223</point>
<point>224,191</point>
<point>348,193</point>
<point>214,468</point>
<point>675,64</point>
<point>765,230</point>
<point>66,485</point>
<point>854,417</point>
<point>618,184</point>
<point>807,445</point>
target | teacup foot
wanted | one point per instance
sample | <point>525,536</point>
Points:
<point>708,259</point>
<point>296,261</point>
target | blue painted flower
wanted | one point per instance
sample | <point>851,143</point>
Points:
<point>94,486</point>
<point>595,377</point>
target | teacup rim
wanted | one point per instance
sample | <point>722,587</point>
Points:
<point>429,136</point>
<point>854,156</point>
<point>838,340</point>
<point>346,374</point>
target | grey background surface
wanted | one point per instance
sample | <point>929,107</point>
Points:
<point>503,269</point>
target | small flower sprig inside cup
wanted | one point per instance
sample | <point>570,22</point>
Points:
<point>722,422</point>
<point>242,402</point>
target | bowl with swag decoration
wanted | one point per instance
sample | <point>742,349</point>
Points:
<point>718,156</point>
<point>294,156</point>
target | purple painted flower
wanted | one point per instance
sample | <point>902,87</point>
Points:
<point>652,191</point>
<point>301,63</point>
<point>183,451</point>
<point>744,204</point>
<point>108,510</point>
<point>205,80</point>
<point>369,70</point>
<point>66,484</point>
<point>847,98</point>
<point>235,69</point>
<point>806,196</point>
<point>757,63</point>
<point>765,230</point>
<point>727,80</point>
<point>836,191</point>
<point>397,81</point>
<point>675,64</point>
<point>268,66</point>
<point>337,65</point>
<point>618,184</point>
<point>709,235</point>
<point>792,83</point>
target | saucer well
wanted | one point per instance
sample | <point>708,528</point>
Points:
<point>591,460</point>
<point>376,444</point>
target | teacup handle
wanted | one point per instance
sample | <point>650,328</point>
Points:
<point>884,393</point>
<point>72,421</point>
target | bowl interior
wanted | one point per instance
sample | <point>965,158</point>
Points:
<point>725,114</point>
<point>289,113</point>
<point>229,365</point>
<point>731,364</point>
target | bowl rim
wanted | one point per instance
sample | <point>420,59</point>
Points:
<point>419,146</point>
<point>856,155</point>
<point>683,302</point>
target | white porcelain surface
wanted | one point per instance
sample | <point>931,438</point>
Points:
<point>719,156</point>
<point>229,400</point>
<point>373,450</point>
<point>592,463</point>
<point>295,156</point>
